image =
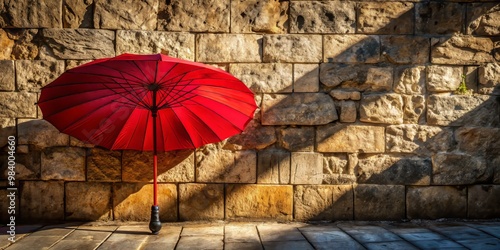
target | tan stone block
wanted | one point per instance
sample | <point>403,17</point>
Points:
<point>6,44</point>
<point>439,17</point>
<point>356,77</point>
<point>339,169</point>
<point>198,16</point>
<point>478,141</point>
<point>201,201</point>
<point>77,14</point>
<point>405,49</point>
<point>482,201</point>
<point>178,45</point>
<point>26,46</point>
<point>483,19</point>
<point>63,163</point>
<point>247,202</point>
<point>459,169</point>
<point>305,78</point>
<point>418,139</point>
<point>214,48</point>
<point>7,128</point>
<point>88,201</point>
<point>434,202</point>
<point>104,165</point>
<point>40,133</point>
<point>322,17</point>
<point>413,108</point>
<point>346,95</point>
<point>273,166</point>
<point>351,48</point>
<point>27,163</point>
<point>306,168</point>
<point>462,50</point>
<point>381,108</point>
<point>348,111</point>
<point>267,16</point>
<point>410,80</point>
<point>123,14</point>
<point>33,75</point>
<point>265,78</point>
<point>385,18</point>
<point>27,14</point>
<point>443,78</point>
<point>18,105</point>
<point>471,80</point>
<point>292,48</point>
<point>323,202</point>
<point>42,200</point>
<point>297,138</point>
<point>489,78</point>
<point>7,75</point>
<point>133,201</point>
<point>352,138</point>
<point>379,202</point>
<point>255,136</point>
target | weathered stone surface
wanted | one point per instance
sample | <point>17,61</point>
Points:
<point>27,163</point>
<point>482,202</point>
<point>471,78</point>
<point>265,78</point>
<point>353,138</point>
<point>32,75</point>
<point>267,16</point>
<point>298,109</point>
<point>88,201</point>
<point>306,168</point>
<point>439,17</point>
<point>29,14</point>
<point>179,45</point>
<point>199,16</point>
<point>385,18</point>
<point>489,78</point>
<point>351,48</point>
<point>273,166</point>
<point>259,202</point>
<point>255,136</point>
<point>460,110</point>
<point>18,104</point>
<point>436,202</point>
<point>405,49</point>
<point>323,202</point>
<point>410,80</point>
<point>104,165</point>
<point>292,48</point>
<point>132,201</point>
<point>173,166</point>
<point>387,170</point>
<point>201,201</point>
<point>305,78</point>
<point>322,17</point>
<point>376,202</point>
<point>78,43</point>
<point>346,95</point>
<point>461,50</point>
<point>356,77</point>
<point>77,14</point>
<point>443,78</point>
<point>7,75</point>
<point>66,163</point>
<point>381,108</point>
<point>7,128</point>
<point>6,45</point>
<point>459,169</point>
<point>414,108</point>
<point>483,19</point>
<point>297,138</point>
<point>478,141</point>
<point>348,111</point>
<point>125,14</point>
<point>25,43</point>
<point>214,48</point>
<point>338,170</point>
<point>418,139</point>
<point>214,164</point>
<point>40,133</point>
<point>42,200</point>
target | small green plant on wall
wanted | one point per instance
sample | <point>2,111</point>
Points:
<point>462,88</point>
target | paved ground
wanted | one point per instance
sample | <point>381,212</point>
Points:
<point>481,235</point>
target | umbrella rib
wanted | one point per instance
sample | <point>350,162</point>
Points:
<point>140,70</point>
<point>137,100</point>
<point>139,82</point>
<point>168,72</point>
<point>184,128</point>
<point>223,116</point>
<point>201,121</point>
<point>104,121</point>
<point>145,132</point>
<point>129,137</point>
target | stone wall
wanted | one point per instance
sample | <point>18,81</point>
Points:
<point>358,116</point>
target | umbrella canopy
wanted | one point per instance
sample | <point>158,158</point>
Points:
<point>148,103</point>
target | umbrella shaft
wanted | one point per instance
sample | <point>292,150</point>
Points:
<point>155,169</point>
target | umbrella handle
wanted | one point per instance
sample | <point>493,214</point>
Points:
<point>155,224</point>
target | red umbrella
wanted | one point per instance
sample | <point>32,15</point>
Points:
<point>147,102</point>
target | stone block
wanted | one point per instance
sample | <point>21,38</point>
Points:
<point>215,164</point>
<point>7,75</point>
<point>385,18</point>
<point>265,78</point>
<point>462,50</point>
<point>389,170</point>
<point>247,202</point>
<point>298,109</point>
<point>42,200</point>
<point>322,17</point>
<point>297,138</point>
<point>29,14</point>
<point>63,163</point>
<point>255,136</point>
<point>104,165</point>
<point>267,16</point>
<point>410,80</point>
<point>405,49</point>
<point>443,78</point>
<point>483,19</point>
<point>88,201</point>
<point>18,104</point>
<point>173,166</point>
<point>489,78</point>
<point>123,14</point>
<point>379,202</point>
<point>348,111</point>
<point>439,17</point>
<point>306,168</point>
<point>7,128</point>
<point>471,78</point>
<point>381,108</point>
<point>27,163</point>
<point>201,201</point>
<point>478,141</point>
<point>220,48</point>
<point>179,45</point>
<point>77,14</point>
<point>339,169</point>
<point>199,16</point>
<point>7,45</point>
<point>273,166</point>
<point>482,201</point>
<point>459,169</point>
<point>33,75</point>
<point>305,78</point>
<point>346,95</point>
<point>356,77</point>
<point>133,201</point>
<point>40,133</point>
<point>413,108</point>
<point>436,202</point>
<point>77,43</point>
<point>418,139</point>
<point>351,49</point>
<point>352,138</point>
<point>323,202</point>
<point>26,44</point>
<point>293,48</point>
